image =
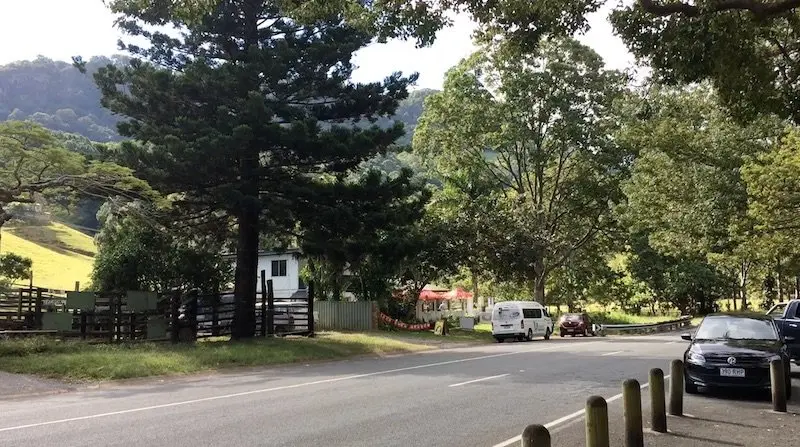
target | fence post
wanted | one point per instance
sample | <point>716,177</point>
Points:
<point>83,325</point>
<point>215,303</point>
<point>676,388</point>
<point>174,304</point>
<point>535,435</point>
<point>263,303</point>
<point>658,413</point>
<point>118,311</point>
<point>777,376</point>
<point>133,326</point>
<point>111,311</point>
<point>77,286</point>
<point>270,308</point>
<point>311,308</point>
<point>19,305</point>
<point>632,412</point>
<point>596,422</point>
<point>38,314</point>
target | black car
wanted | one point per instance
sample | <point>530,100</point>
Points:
<point>733,351</point>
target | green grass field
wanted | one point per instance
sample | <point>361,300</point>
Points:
<point>76,361</point>
<point>60,254</point>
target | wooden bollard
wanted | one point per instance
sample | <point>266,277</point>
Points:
<point>777,377</point>
<point>596,422</point>
<point>676,388</point>
<point>658,411</point>
<point>535,435</point>
<point>632,412</point>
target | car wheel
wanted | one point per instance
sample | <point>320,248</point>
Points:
<point>547,334</point>
<point>562,335</point>
<point>529,336</point>
<point>499,339</point>
<point>688,386</point>
<point>585,333</point>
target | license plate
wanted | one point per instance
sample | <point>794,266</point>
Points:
<point>731,372</point>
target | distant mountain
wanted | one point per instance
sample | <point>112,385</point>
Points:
<point>56,95</point>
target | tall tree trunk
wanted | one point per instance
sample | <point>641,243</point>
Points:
<point>475,294</point>
<point>779,280</point>
<point>744,270</point>
<point>244,313</point>
<point>540,279</point>
<point>797,287</point>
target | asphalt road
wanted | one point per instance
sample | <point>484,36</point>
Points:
<point>480,396</point>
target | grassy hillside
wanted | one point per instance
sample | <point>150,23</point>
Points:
<point>60,254</point>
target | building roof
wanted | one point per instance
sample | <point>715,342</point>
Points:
<point>287,251</point>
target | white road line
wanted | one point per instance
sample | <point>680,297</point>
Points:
<point>478,380</point>
<point>285,387</point>
<point>610,353</point>
<point>568,417</point>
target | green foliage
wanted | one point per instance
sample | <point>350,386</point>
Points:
<point>748,50</point>
<point>35,168</point>
<point>14,268</point>
<point>250,113</point>
<point>137,252</point>
<point>523,140</point>
<point>773,184</point>
<point>686,192</point>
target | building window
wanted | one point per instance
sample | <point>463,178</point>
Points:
<point>301,284</point>
<point>279,268</point>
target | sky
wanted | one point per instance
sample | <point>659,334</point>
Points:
<point>60,29</point>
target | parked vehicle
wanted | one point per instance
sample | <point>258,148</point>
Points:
<point>576,324</point>
<point>522,320</point>
<point>733,351</point>
<point>787,318</point>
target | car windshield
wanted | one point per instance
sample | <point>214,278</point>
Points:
<point>571,317</point>
<point>736,328</point>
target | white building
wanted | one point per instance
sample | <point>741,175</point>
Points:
<point>283,268</point>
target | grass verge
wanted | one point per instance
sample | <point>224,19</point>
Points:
<point>482,333</point>
<point>76,361</point>
<point>623,318</point>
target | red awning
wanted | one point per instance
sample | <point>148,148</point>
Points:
<point>458,294</point>
<point>432,295</point>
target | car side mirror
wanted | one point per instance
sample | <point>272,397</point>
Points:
<point>687,337</point>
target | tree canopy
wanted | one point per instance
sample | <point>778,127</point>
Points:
<point>249,112</point>
<point>534,131</point>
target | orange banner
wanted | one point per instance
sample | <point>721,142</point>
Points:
<point>401,325</point>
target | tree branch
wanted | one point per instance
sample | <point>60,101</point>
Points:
<point>760,9</point>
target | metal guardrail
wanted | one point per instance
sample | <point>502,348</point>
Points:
<point>652,327</point>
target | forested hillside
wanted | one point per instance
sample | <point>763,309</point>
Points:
<point>56,95</point>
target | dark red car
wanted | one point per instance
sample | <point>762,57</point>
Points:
<point>576,324</point>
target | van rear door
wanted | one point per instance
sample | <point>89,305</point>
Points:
<point>505,317</point>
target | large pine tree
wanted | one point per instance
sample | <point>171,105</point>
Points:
<point>242,110</point>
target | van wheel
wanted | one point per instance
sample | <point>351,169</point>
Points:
<point>529,337</point>
<point>499,339</point>
<point>547,334</point>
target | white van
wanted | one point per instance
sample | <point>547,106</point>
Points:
<point>522,320</point>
